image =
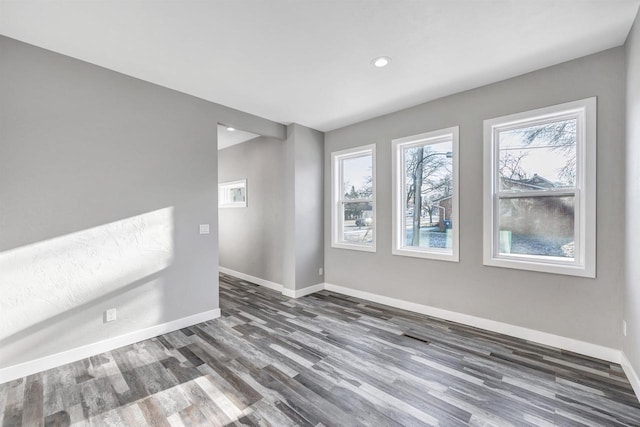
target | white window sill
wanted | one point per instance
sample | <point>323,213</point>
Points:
<point>426,254</point>
<point>354,247</point>
<point>541,266</point>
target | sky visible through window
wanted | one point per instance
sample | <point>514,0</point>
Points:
<point>357,173</point>
<point>437,167</point>
<point>546,150</point>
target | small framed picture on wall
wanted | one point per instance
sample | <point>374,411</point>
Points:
<point>232,194</point>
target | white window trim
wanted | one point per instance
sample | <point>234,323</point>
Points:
<point>337,217</point>
<point>584,264</point>
<point>398,193</point>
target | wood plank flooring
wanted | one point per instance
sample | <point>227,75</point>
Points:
<point>324,359</point>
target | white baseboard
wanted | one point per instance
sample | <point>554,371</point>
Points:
<point>291,293</point>
<point>631,373</point>
<point>565,343</point>
<point>258,281</point>
<point>302,292</point>
<point>47,362</point>
<point>588,349</point>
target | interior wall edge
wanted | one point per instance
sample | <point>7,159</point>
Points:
<point>631,296</point>
<point>299,293</point>
<point>253,279</point>
<point>631,373</point>
<point>291,293</point>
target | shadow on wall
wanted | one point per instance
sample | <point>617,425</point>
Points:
<point>46,283</point>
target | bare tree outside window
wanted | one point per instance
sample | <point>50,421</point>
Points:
<point>354,202</point>
<point>425,195</point>
<point>534,159</point>
<point>428,176</point>
<point>540,209</point>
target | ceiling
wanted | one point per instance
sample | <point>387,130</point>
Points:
<point>227,138</point>
<point>309,61</point>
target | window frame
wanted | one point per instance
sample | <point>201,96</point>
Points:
<point>398,186</point>
<point>338,200</point>
<point>584,192</point>
<point>223,203</point>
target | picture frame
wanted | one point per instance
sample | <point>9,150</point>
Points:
<point>232,194</point>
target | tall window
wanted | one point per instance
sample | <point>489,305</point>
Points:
<point>354,202</point>
<point>425,194</point>
<point>540,183</point>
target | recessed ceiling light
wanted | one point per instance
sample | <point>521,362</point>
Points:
<point>230,129</point>
<point>381,61</point>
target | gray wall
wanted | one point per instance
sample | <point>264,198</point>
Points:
<point>289,225</point>
<point>103,182</point>
<point>309,217</point>
<point>304,225</point>
<point>251,237</point>
<point>631,344</point>
<point>583,309</point>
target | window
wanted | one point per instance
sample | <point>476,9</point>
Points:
<point>353,218</point>
<point>540,189</point>
<point>425,195</point>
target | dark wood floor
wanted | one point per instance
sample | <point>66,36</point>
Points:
<point>324,359</point>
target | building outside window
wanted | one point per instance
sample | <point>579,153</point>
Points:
<point>425,194</point>
<point>540,189</point>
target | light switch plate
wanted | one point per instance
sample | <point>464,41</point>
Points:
<point>624,328</point>
<point>204,228</point>
<point>110,315</point>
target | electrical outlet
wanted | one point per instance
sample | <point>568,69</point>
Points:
<point>320,271</point>
<point>204,228</point>
<point>109,315</point>
<point>624,328</point>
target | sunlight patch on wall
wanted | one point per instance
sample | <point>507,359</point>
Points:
<point>45,279</point>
